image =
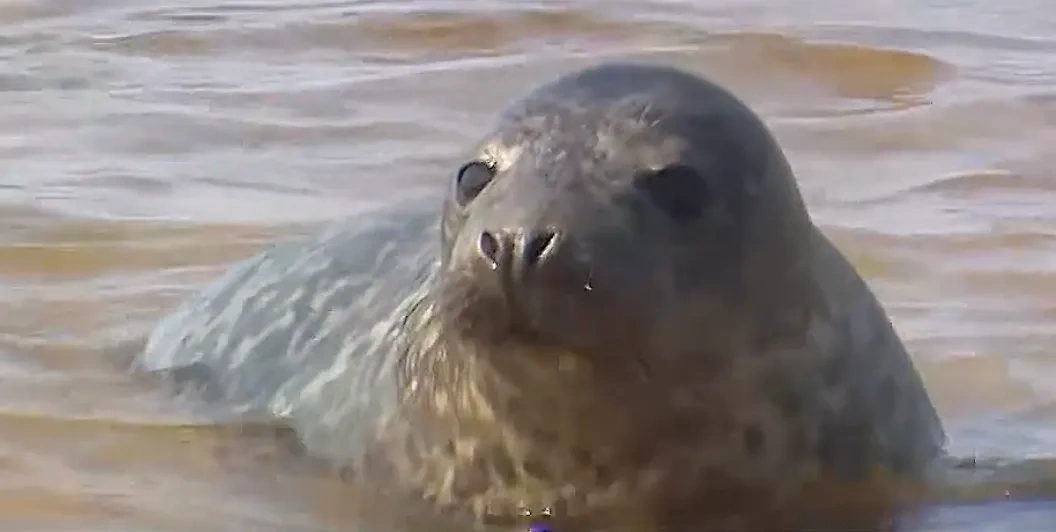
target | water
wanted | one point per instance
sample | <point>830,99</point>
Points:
<point>146,145</point>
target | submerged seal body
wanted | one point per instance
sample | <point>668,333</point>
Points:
<point>621,312</point>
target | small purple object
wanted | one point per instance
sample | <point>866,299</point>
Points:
<point>540,527</point>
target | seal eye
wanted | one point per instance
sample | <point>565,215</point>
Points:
<point>677,189</point>
<point>471,180</point>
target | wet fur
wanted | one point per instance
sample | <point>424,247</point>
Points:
<point>746,378</point>
<point>771,387</point>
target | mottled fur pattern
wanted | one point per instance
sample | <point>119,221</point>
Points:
<point>733,372</point>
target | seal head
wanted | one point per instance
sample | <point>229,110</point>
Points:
<point>617,209</point>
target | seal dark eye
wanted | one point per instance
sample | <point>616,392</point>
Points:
<point>471,180</point>
<point>677,189</point>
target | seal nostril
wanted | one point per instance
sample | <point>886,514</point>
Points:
<point>489,247</point>
<point>537,244</point>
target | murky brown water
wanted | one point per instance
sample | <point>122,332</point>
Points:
<point>147,144</point>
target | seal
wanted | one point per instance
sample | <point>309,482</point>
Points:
<point>621,311</point>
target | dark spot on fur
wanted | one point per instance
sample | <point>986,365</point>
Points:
<point>754,439</point>
<point>470,483</point>
<point>582,456</point>
<point>590,460</point>
<point>784,394</point>
<point>544,437</point>
<point>536,467</point>
<point>346,474</point>
<point>604,473</point>
<point>845,444</point>
<point>503,466</point>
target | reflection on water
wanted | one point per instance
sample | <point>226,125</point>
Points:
<point>145,145</point>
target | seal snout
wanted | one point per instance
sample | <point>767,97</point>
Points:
<point>536,273</point>
<point>514,254</point>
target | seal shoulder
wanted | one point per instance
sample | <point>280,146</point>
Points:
<point>282,323</point>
